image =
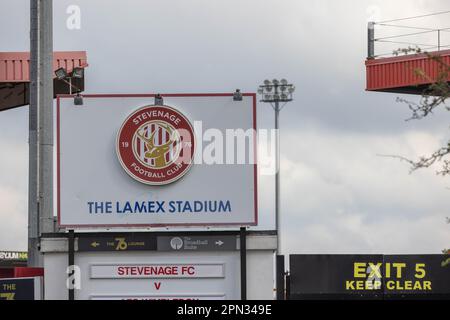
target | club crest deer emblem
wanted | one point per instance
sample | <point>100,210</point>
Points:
<point>158,152</point>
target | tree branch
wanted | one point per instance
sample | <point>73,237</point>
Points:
<point>428,161</point>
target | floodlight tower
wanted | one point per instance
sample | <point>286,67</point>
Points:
<point>278,94</point>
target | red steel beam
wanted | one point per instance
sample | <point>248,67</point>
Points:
<point>15,66</point>
<point>398,74</point>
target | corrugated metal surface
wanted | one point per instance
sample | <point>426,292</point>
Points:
<point>14,66</point>
<point>391,74</point>
<point>15,77</point>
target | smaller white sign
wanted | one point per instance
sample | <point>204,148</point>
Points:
<point>185,297</point>
<point>157,271</point>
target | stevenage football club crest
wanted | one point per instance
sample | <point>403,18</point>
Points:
<point>155,145</point>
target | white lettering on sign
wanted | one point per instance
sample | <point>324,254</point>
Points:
<point>219,296</point>
<point>10,255</point>
<point>157,271</point>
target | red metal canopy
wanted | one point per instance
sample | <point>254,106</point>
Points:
<point>15,75</point>
<point>398,74</point>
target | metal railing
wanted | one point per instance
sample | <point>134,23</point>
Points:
<point>433,36</point>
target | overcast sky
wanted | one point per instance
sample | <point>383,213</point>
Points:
<point>338,196</point>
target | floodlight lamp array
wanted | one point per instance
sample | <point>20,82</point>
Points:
<point>276,91</point>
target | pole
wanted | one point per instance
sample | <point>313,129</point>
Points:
<point>279,269</point>
<point>45,116</point>
<point>71,262</point>
<point>274,99</point>
<point>277,175</point>
<point>371,40</point>
<point>34,258</point>
<point>288,286</point>
<point>280,278</point>
<point>40,180</point>
<point>439,39</point>
<point>243,251</point>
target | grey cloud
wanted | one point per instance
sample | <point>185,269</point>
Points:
<point>339,196</point>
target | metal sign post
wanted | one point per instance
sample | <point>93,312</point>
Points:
<point>280,277</point>
<point>71,261</point>
<point>243,251</point>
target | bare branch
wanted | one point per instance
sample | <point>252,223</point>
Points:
<point>434,96</point>
<point>428,161</point>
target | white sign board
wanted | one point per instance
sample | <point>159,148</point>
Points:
<point>260,266</point>
<point>147,275</point>
<point>124,162</point>
<point>156,271</point>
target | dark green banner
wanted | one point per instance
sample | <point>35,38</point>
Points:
<point>13,258</point>
<point>20,289</point>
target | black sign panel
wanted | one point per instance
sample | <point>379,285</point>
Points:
<point>368,276</point>
<point>176,242</point>
<point>197,243</point>
<point>17,289</point>
<point>312,275</point>
<point>13,258</point>
<point>130,242</point>
<point>407,275</point>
